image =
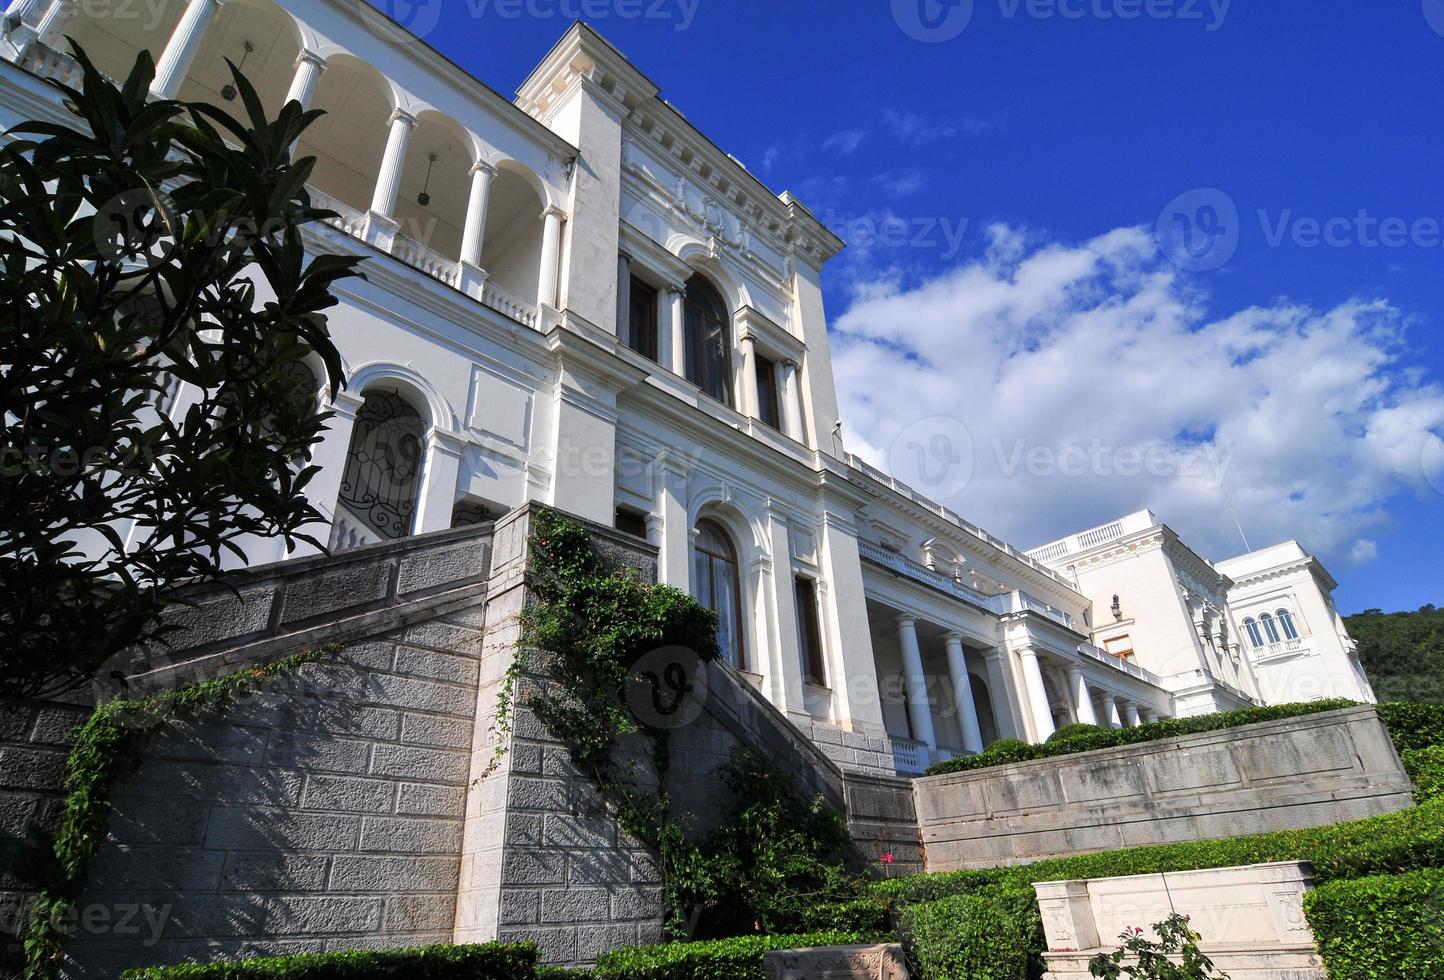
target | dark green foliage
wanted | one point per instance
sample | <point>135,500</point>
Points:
<point>870,913</point>
<point>774,857</point>
<point>739,958</point>
<point>102,747</point>
<point>1381,928</point>
<point>492,961</point>
<point>1077,728</point>
<point>135,240</point>
<point>1426,768</point>
<point>1412,725</point>
<point>1403,652</point>
<point>1009,751</point>
<point>995,934</point>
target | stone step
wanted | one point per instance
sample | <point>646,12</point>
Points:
<point>881,962</point>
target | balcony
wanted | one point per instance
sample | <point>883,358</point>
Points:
<point>513,195</point>
<point>1283,650</point>
<point>1007,602</point>
<point>910,757</point>
<point>1119,663</point>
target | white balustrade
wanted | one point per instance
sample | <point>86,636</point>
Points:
<point>509,304</point>
<point>428,260</point>
<point>909,756</point>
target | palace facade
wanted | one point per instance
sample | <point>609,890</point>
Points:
<point>574,297</point>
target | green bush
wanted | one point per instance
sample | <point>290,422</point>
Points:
<point>1383,928</point>
<point>869,914</point>
<point>1413,726</point>
<point>719,959</point>
<point>1426,768</point>
<point>492,961</point>
<point>994,935</point>
<point>1081,739</point>
<point>1070,731</point>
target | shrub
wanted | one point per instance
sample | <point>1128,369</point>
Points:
<point>492,961</point>
<point>994,935</point>
<point>1382,928</point>
<point>1426,768</point>
<point>1174,956</point>
<point>870,914</point>
<point>1072,731</point>
<point>1413,726</point>
<point>1080,739</point>
<point>719,959</point>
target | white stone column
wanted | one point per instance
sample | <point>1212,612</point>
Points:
<point>1037,694</point>
<point>1130,715</point>
<point>1111,718</point>
<point>1150,716</point>
<point>437,497</point>
<point>672,478</point>
<point>676,330</point>
<point>175,61</point>
<point>920,712</point>
<point>747,389</point>
<point>329,456</point>
<point>624,298</point>
<point>1082,699</point>
<point>550,256</point>
<point>45,27</point>
<point>963,694</point>
<point>309,66</point>
<point>791,407</point>
<point>388,180</point>
<point>473,235</point>
<point>1005,711</point>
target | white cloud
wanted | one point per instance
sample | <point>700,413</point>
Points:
<point>845,142</point>
<point>1094,380</point>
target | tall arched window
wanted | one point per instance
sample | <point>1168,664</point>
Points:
<point>719,588</point>
<point>709,341</point>
<point>1255,635</point>
<point>1286,620</point>
<point>1271,629</point>
<point>383,467</point>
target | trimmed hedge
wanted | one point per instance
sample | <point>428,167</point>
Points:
<point>1426,768</point>
<point>1413,726</point>
<point>720,959</point>
<point>1381,928</point>
<point>866,914</point>
<point>994,935</point>
<point>1080,739</point>
<point>490,961</point>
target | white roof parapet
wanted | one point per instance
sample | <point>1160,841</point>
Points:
<point>1094,536</point>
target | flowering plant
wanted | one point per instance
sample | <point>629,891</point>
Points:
<point>1156,960</point>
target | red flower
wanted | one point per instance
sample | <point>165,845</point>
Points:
<point>887,857</point>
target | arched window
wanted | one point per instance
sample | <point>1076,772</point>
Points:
<point>718,587</point>
<point>1286,620</point>
<point>1271,629</point>
<point>709,341</point>
<point>383,467</point>
<point>1255,635</point>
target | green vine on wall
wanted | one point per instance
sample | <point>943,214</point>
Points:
<point>583,632</point>
<point>103,745</point>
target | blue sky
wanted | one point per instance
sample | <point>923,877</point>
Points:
<point>1003,184</point>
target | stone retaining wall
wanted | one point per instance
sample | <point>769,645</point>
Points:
<point>1281,775</point>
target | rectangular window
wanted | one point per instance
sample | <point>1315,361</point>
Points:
<point>810,628</point>
<point>631,522</point>
<point>767,412</point>
<point>642,321</point>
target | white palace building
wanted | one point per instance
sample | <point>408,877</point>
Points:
<point>574,297</point>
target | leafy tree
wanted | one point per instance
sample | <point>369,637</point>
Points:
<point>157,305</point>
<point>1402,652</point>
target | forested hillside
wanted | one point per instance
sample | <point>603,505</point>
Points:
<point>1402,652</point>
